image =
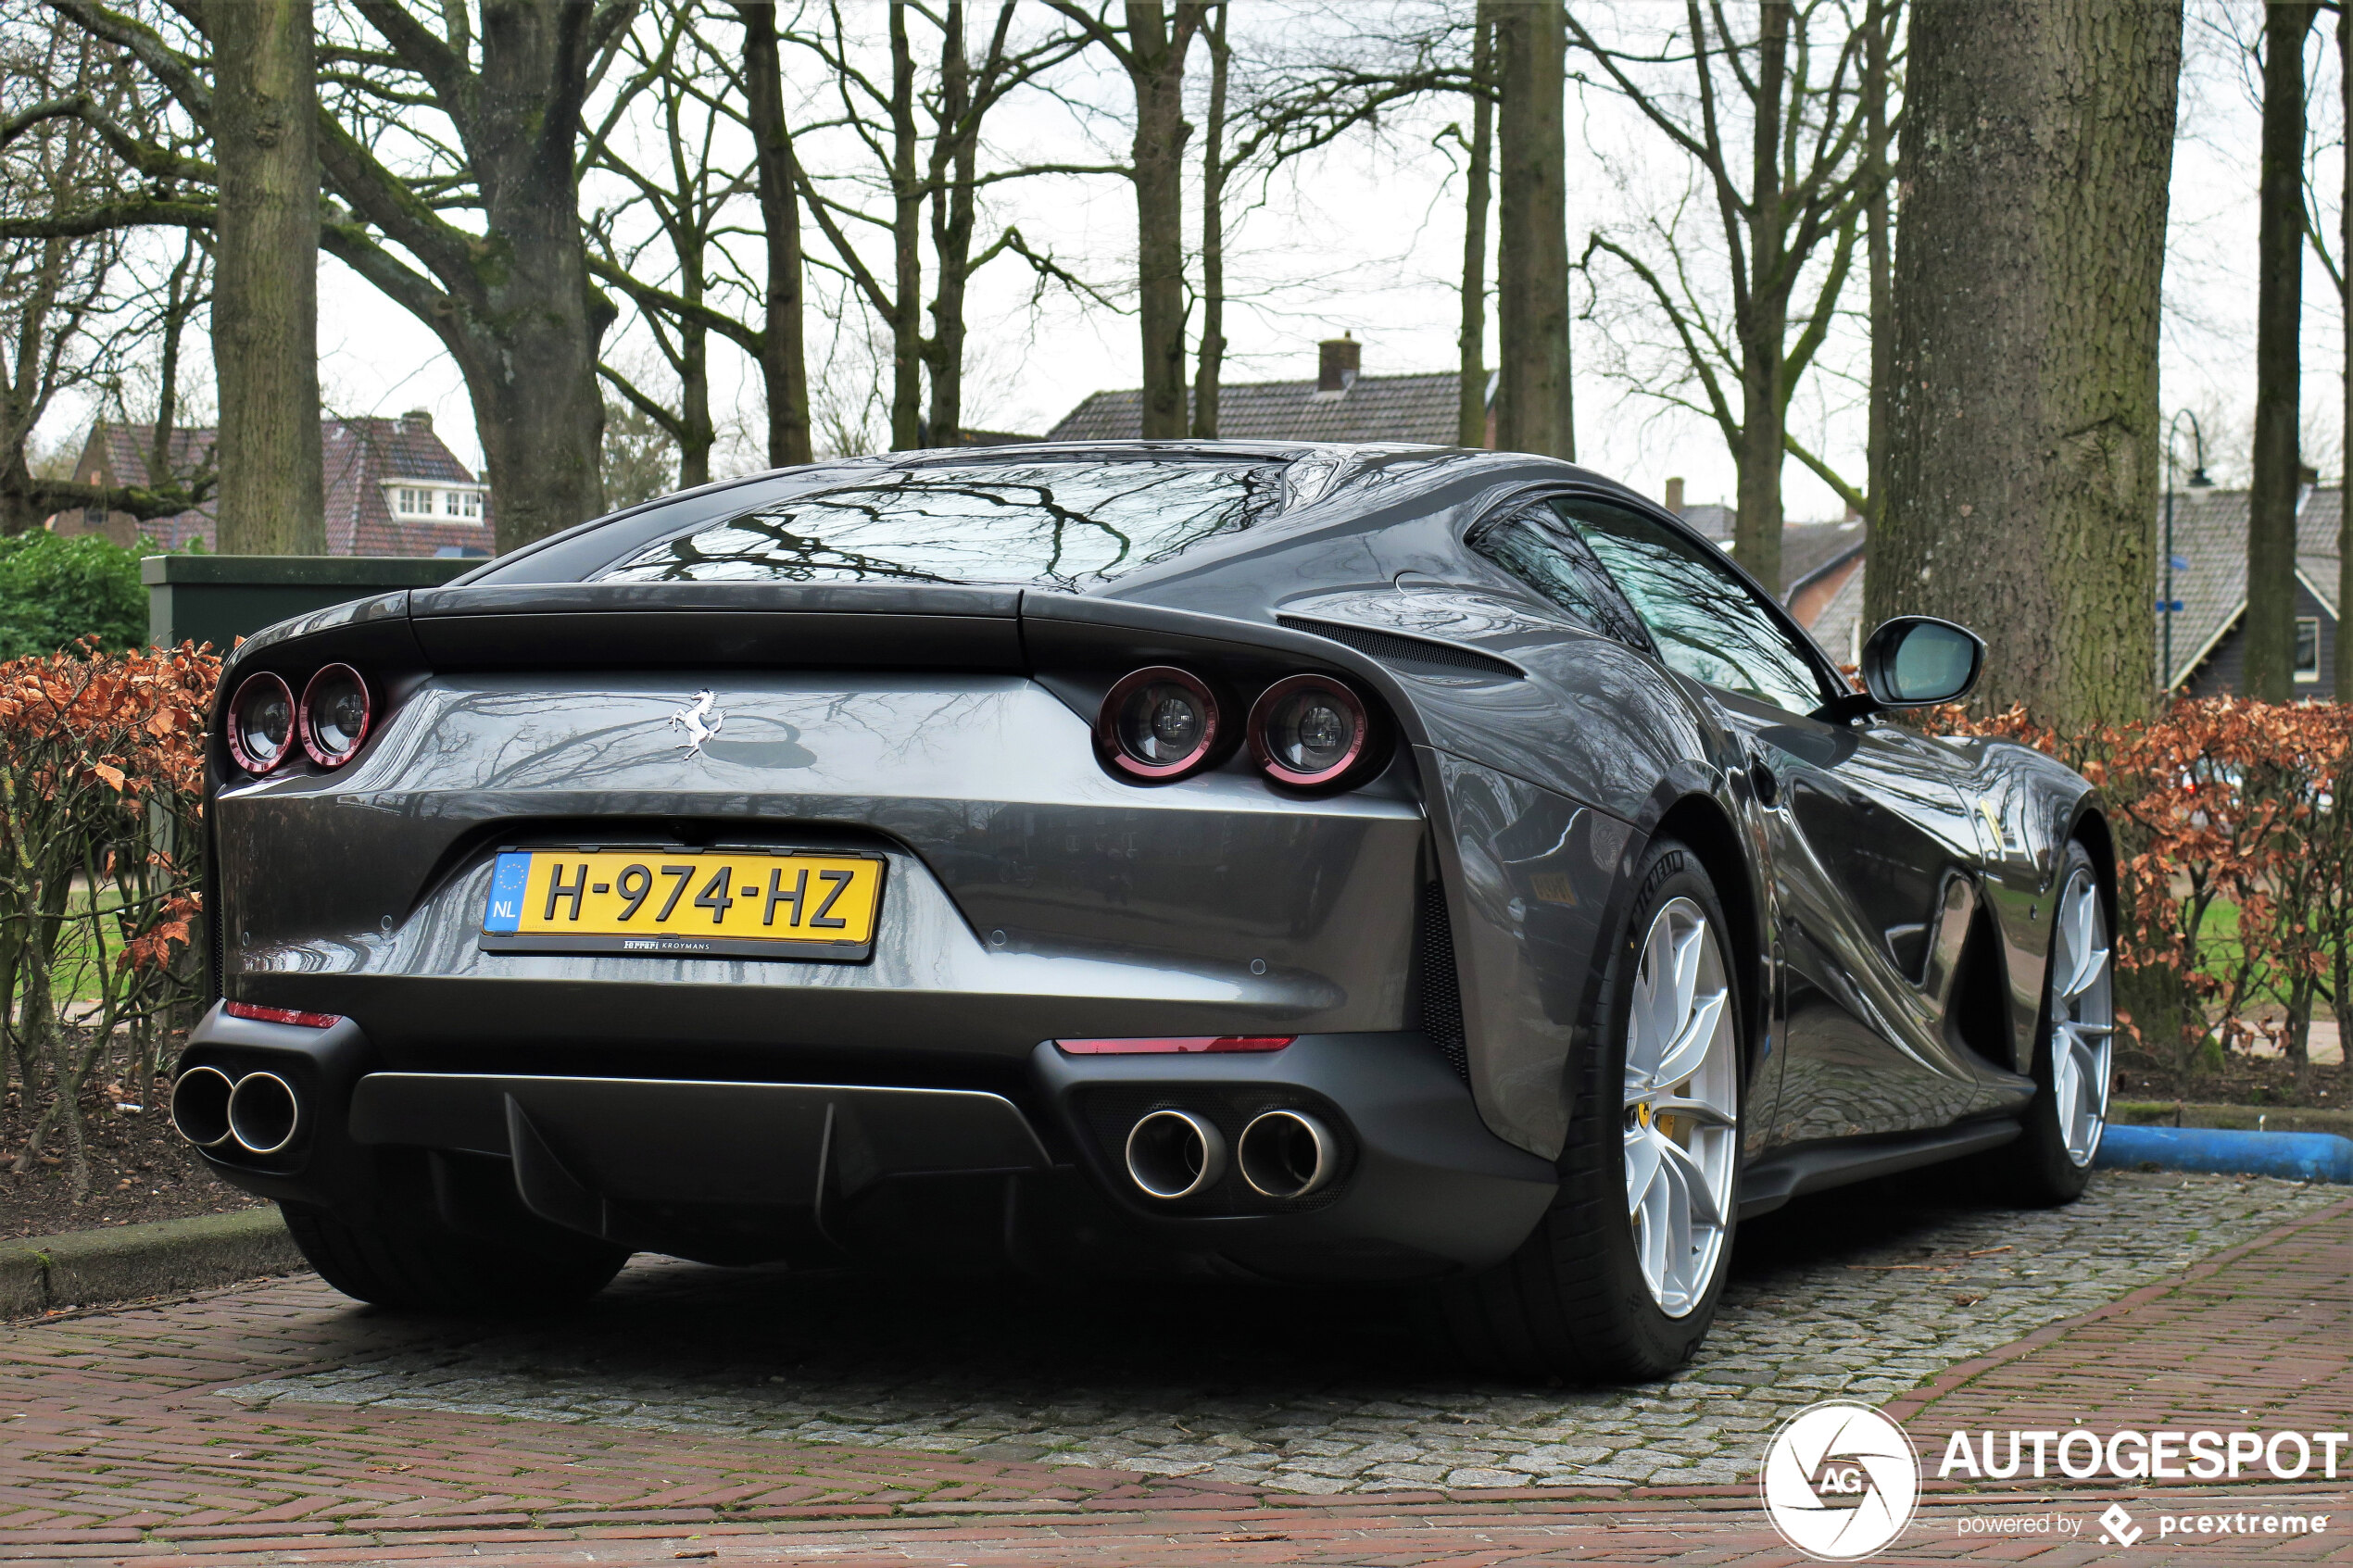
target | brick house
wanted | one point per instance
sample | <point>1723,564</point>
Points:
<point>393,488</point>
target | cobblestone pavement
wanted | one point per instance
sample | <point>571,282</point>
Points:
<point>117,1445</point>
<point>1867,1293</point>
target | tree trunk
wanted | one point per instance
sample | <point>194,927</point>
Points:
<point>1533,412</point>
<point>1877,247</point>
<point>1156,47</point>
<point>694,401</point>
<point>178,303</point>
<point>265,308</point>
<point>954,163</point>
<point>783,363</point>
<point>1471,406</point>
<point>2343,683</point>
<point>2279,309</point>
<point>1762,319</point>
<point>907,256</point>
<point>2023,433</point>
<point>1212,359</point>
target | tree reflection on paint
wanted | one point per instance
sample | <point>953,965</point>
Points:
<point>1059,524</point>
<point>1707,624</point>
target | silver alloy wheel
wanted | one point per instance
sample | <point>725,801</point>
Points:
<point>1682,1107</point>
<point>2082,1018</point>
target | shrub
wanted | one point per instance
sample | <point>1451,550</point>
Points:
<point>2234,823</point>
<point>55,592</point>
<point>101,782</point>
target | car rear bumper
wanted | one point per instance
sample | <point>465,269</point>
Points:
<point>745,1169</point>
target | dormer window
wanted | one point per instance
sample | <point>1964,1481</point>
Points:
<point>435,503</point>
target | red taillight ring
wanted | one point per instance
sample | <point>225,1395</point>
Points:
<point>1116,755</point>
<point>320,753</point>
<point>1263,711</point>
<point>252,686</point>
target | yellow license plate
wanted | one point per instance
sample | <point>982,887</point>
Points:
<point>717,903</point>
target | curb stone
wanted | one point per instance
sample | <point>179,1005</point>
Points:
<point>91,1268</point>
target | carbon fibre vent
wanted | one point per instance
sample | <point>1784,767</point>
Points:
<point>1406,653</point>
<point>1441,991</point>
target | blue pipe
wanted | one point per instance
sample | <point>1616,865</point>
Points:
<point>2297,1157</point>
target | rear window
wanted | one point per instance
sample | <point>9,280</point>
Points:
<point>1060,524</point>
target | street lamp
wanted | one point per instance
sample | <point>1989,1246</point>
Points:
<point>2198,481</point>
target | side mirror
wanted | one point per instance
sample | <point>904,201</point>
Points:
<point>1918,661</point>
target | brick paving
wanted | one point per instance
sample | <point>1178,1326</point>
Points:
<point>116,1442</point>
<point>1863,1294</point>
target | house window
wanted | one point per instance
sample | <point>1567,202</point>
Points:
<point>461,503</point>
<point>412,503</point>
<point>2308,647</point>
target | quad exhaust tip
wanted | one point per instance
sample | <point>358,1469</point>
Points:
<point>200,1106</point>
<point>1286,1154</point>
<point>1173,1154</point>
<point>263,1113</point>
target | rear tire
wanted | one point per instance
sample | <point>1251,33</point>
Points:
<point>415,1262</point>
<point>2051,1161</point>
<point>1578,1299</point>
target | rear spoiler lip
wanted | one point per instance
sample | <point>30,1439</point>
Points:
<point>561,598</point>
<point>781,625</point>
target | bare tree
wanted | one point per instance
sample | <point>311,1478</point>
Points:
<point>922,141</point>
<point>2279,313</point>
<point>686,196</point>
<point>748,91</point>
<point>1797,187</point>
<point>1215,170</point>
<point>779,348</point>
<point>67,317</point>
<point>417,123</point>
<point>1349,81</point>
<point>1150,43</point>
<point>1479,146</point>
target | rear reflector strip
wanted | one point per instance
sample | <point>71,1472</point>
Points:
<point>1164,1044</point>
<point>283,1015</point>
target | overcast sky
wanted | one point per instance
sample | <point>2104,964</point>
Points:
<point>1367,239</point>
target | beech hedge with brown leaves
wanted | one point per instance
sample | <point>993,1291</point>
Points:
<point>101,780</point>
<point>2221,802</point>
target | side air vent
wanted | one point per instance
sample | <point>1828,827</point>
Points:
<point>1441,991</point>
<point>1410,654</point>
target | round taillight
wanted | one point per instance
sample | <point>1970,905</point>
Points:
<point>1309,731</point>
<point>1157,724</point>
<point>261,723</point>
<point>335,711</point>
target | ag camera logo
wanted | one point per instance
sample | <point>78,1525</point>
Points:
<point>1841,1481</point>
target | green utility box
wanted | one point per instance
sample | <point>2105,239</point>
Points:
<point>217,599</point>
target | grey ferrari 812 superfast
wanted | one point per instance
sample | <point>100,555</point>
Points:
<point>1296,864</point>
